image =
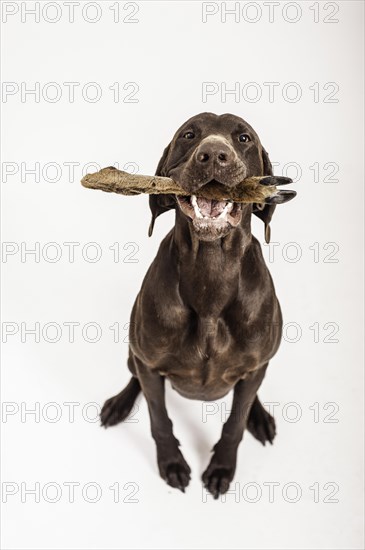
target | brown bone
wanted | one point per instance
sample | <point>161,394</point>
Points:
<point>112,180</point>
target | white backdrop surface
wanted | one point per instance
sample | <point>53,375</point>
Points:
<point>149,64</point>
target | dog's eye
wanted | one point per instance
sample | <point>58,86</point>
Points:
<point>244,138</point>
<point>189,135</point>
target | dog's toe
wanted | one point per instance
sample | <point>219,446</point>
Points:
<point>270,428</point>
<point>217,480</point>
<point>261,424</point>
<point>114,411</point>
<point>177,476</point>
<point>175,470</point>
<point>263,430</point>
<point>275,180</point>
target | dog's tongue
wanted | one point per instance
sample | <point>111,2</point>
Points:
<point>209,207</point>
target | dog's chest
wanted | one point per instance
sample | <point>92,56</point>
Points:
<point>203,357</point>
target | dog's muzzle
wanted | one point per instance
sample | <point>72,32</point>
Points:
<point>211,218</point>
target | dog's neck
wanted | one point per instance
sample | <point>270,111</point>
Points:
<point>212,254</point>
<point>210,272</point>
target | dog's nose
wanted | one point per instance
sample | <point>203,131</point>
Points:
<point>214,151</point>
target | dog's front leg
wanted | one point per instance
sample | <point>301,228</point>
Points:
<point>171,463</point>
<point>222,466</point>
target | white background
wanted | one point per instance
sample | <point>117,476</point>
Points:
<point>169,53</point>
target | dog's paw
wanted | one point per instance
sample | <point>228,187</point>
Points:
<point>115,410</point>
<point>261,424</point>
<point>175,471</point>
<point>217,479</point>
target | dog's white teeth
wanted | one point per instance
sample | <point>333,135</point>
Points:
<point>194,203</point>
<point>226,210</point>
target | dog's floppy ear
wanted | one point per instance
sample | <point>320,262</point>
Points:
<point>160,203</point>
<point>265,212</point>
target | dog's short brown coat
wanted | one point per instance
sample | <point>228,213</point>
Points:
<point>207,317</point>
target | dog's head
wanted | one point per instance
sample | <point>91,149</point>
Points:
<point>211,148</point>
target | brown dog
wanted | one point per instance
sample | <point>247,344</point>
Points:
<point>207,317</point>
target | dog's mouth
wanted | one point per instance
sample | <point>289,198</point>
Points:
<point>209,211</point>
<point>211,219</point>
